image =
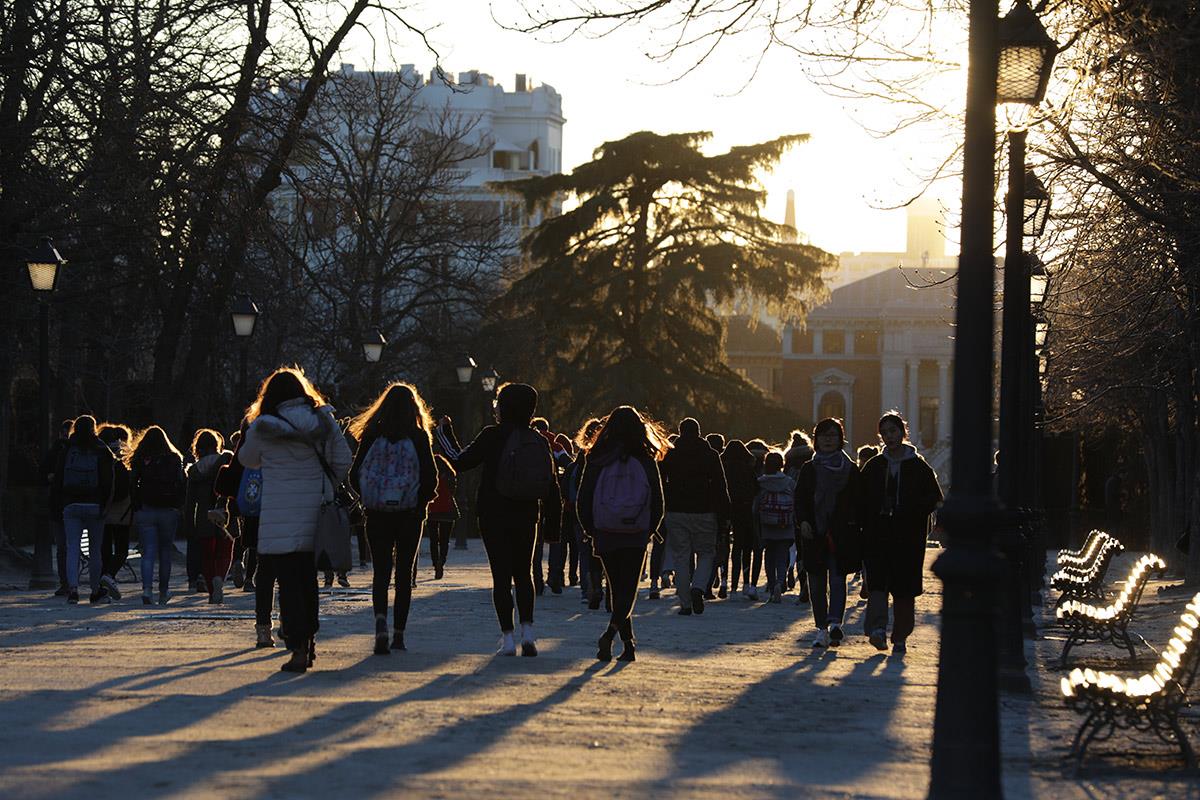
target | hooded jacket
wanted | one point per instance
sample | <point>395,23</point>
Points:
<point>693,479</point>
<point>294,483</point>
<point>199,497</point>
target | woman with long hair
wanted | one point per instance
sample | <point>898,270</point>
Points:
<point>292,436</point>
<point>827,507</point>
<point>900,493</point>
<point>396,476</point>
<point>740,477</point>
<point>212,541</point>
<point>589,566</point>
<point>84,477</point>
<point>513,497</point>
<point>156,491</point>
<point>620,506</point>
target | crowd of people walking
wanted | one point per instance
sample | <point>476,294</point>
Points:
<point>620,502</point>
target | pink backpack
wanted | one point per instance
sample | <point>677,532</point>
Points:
<point>621,502</point>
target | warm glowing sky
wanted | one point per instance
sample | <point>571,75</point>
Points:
<point>839,176</point>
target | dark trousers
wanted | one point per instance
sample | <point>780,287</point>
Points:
<point>510,544</point>
<point>439,532</point>
<point>904,615</point>
<point>395,537</point>
<point>249,540</point>
<point>657,553</point>
<point>623,569</point>
<point>60,545</point>
<point>539,579</point>
<point>298,602</point>
<point>557,566</point>
<point>116,548</point>
<point>572,549</point>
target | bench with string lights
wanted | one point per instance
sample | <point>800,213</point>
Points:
<point>1147,704</point>
<point>1083,557</point>
<point>1083,584</point>
<point>1090,623</point>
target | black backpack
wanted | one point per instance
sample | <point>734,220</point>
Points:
<point>160,482</point>
<point>526,470</point>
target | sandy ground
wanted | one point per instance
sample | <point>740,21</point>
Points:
<point>175,702</point>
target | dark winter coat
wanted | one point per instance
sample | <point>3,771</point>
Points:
<point>845,533</point>
<point>593,465</point>
<point>156,481</point>
<point>896,518</point>
<point>485,451</point>
<point>693,479</point>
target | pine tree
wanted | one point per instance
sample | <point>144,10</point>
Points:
<point>622,298</point>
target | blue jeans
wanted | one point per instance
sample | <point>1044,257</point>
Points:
<point>77,518</point>
<point>832,614</point>
<point>156,531</point>
<point>778,556</point>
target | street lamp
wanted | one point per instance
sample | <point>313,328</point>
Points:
<point>463,370</point>
<point>372,345</point>
<point>44,264</point>
<point>1026,57</point>
<point>966,736</point>
<point>1039,281</point>
<point>488,380</point>
<point>244,315</point>
<point>1037,206</point>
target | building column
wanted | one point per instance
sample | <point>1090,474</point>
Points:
<point>891,388</point>
<point>914,406</point>
<point>943,432</point>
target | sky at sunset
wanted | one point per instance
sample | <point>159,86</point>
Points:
<point>844,178</point>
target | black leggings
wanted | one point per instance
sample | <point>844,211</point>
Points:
<point>298,601</point>
<point>623,568</point>
<point>438,532</point>
<point>509,544</point>
<point>394,537</point>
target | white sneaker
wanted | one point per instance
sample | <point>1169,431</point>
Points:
<point>822,639</point>
<point>528,642</point>
<point>507,646</point>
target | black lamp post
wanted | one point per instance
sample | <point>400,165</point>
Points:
<point>464,370</point>
<point>372,345</point>
<point>44,265</point>
<point>966,738</point>
<point>244,316</point>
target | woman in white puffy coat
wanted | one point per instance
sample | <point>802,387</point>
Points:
<point>289,425</point>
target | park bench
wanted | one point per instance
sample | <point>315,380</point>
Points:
<point>1082,557</point>
<point>1089,623</point>
<point>1149,704</point>
<point>1074,584</point>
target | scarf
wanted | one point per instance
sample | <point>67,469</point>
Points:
<point>891,478</point>
<point>833,472</point>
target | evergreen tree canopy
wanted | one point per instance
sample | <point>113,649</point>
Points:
<point>622,298</point>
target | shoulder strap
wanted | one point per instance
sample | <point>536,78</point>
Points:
<point>333,481</point>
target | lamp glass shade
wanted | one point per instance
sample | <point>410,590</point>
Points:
<point>1040,331</point>
<point>1037,207</point>
<point>244,315</point>
<point>43,266</point>
<point>465,370</point>
<point>1026,57</point>
<point>1043,365</point>
<point>1039,280</point>
<point>488,380</point>
<point>372,345</point>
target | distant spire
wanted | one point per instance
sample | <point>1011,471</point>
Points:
<point>789,216</point>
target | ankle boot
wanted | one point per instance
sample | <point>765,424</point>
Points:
<point>628,650</point>
<point>312,650</point>
<point>398,640</point>
<point>604,646</point>
<point>381,636</point>
<point>298,663</point>
<point>263,635</point>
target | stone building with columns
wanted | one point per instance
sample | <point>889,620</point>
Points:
<point>883,340</point>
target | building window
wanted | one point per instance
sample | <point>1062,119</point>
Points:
<point>777,380</point>
<point>833,342</point>
<point>866,343</point>
<point>802,341</point>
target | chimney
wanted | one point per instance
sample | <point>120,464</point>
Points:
<point>521,83</point>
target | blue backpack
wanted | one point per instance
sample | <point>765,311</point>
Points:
<point>249,493</point>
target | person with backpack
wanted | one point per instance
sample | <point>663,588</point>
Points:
<point>775,519</point>
<point>207,532</point>
<point>900,493</point>
<point>827,504</point>
<point>396,477</point>
<point>517,489</point>
<point>739,466</point>
<point>620,506</point>
<point>118,517</point>
<point>156,491</point>
<point>296,442</point>
<point>443,513</point>
<point>84,475</point>
<point>696,499</point>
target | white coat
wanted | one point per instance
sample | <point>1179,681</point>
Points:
<point>294,483</point>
